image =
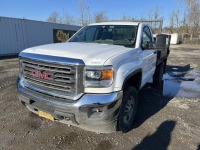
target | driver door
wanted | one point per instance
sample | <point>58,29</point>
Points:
<point>149,55</point>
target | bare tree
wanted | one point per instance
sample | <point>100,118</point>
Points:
<point>177,17</point>
<point>89,17</point>
<point>156,12</point>
<point>68,19</point>
<point>53,17</point>
<point>171,22</point>
<point>153,13</point>
<point>183,26</point>
<point>193,14</point>
<point>127,17</point>
<point>150,14</point>
<point>174,20</point>
<point>84,12</point>
<point>100,16</point>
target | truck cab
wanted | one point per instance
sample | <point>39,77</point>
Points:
<point>92,80</point>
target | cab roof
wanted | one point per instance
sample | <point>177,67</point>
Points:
<point>117,23</point>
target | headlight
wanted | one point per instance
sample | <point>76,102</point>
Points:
<point>99,76</point>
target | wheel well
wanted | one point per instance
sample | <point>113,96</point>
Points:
<point>134,80</point>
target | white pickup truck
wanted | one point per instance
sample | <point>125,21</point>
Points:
<point>92,81</point>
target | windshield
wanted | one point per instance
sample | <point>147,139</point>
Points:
<point>107,34</point>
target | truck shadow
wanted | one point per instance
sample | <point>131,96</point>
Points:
<point>158,140</point>
<point>151,98</point>
<point>150,102</point>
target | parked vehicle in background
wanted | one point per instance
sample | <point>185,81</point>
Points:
<point>92,81</point>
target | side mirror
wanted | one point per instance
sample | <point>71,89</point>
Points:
<point>163,42</point>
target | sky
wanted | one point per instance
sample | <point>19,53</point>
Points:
<point>114,9</point>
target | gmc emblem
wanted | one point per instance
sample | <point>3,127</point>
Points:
<point>42,75</point>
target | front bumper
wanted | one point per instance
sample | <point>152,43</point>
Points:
<point>93,112</point>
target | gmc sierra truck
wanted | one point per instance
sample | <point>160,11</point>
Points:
<point>92,80</point>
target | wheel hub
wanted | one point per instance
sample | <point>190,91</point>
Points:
<point>128,111</point>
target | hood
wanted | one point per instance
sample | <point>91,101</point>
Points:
<point>90,53</point>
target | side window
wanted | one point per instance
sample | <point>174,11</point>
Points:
<point>146,35</point>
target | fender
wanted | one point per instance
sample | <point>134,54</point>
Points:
<point>132,74</point>
<point>126,71</point>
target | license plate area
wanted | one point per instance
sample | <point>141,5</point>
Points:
<point>46,115</point>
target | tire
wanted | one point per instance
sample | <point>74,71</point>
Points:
<point>128,109</point>
<point>158,75</point>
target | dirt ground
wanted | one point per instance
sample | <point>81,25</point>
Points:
<point>171,121</point>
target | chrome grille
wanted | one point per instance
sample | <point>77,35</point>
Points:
<point>66,79</point>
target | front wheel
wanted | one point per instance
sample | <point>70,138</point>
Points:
<point>128,109</point>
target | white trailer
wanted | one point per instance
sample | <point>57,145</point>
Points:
<point>175,38</point>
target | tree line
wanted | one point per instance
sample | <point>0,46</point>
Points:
<point>187,21</point>
<point>184,19</point>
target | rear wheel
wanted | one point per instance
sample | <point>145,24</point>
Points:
<point>128,109</point>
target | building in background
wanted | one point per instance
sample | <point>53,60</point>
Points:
<point>19,34</point>
<point>175,38</point>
